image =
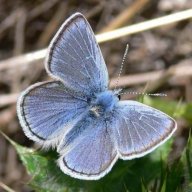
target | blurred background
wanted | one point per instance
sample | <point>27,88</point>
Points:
<point>160,58</point>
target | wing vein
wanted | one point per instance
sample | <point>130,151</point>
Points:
<point>83,38</point>
<point>151,127</point>
<point>57,51</point>
<point>132,143</point>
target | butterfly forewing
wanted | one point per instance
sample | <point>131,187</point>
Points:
<point>75,57</point>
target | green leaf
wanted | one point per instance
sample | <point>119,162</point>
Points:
<point>173,108</point>
<point>188,113</point>
<point>186,159</point>
<point>152,172</point>
<point>179,174</point>
<point>163,188</point>
<point>125,176</point>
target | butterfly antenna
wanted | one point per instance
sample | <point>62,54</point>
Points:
<point>122,64</point>
<point>146,94</point>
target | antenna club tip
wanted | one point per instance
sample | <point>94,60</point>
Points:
<point>146,94</point>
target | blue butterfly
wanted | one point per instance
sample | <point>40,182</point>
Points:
<point>77,114</point>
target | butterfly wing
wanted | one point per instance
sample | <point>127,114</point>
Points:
<point>139,129</point>
<point>48,109</point>
<point>91,148</point>
<point>75,58</point>
<point>88,151</point>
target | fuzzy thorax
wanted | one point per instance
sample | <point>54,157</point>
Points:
<point>104,102</point>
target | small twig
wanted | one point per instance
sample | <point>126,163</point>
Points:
<point>11,19</point>
<point>53,25</point>
<point>153,85</point>
<point>19,45</point>
<point>40,55</point>
<point>8,99</point>
<point>151,24</point>
<point>95,10</point>
<point>157,78</point>
<point>126,15</point>
<point>135,79</point>
<point>19,32</point>
<point>6,116</point>
<point>25,59</point>
<point>5,187</point>
<point>45,6</point>
<point>8,22</point>
<point>183,69</point>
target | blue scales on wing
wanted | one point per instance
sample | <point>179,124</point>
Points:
<point>46,110</point>
<point>88,150</point>
<point>75,57</point>
<point>138,129</point>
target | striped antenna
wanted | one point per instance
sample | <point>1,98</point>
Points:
<point>122,64</point>
<point>140,93</point>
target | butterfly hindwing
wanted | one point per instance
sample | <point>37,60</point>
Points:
<point>46,110</point>
<point>138,129</point>
<point>90,150</point>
